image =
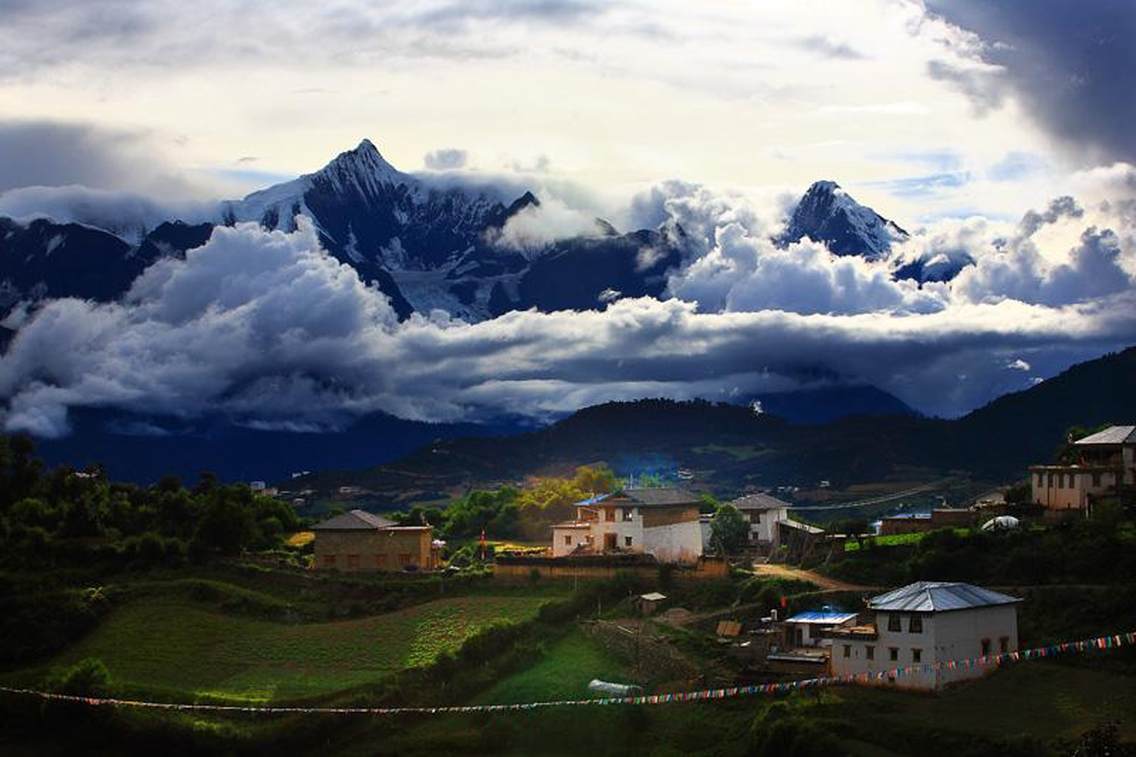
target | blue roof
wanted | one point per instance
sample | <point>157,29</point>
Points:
<point>822,616</point>
<point>592,501</point>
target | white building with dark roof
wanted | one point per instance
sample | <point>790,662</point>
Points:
<point>660,521</point>
<point>763,513</point>
<point>929,624</point>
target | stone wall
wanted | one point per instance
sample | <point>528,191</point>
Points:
<point>601,567</point>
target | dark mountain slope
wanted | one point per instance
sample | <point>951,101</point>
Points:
<point>732,446</point>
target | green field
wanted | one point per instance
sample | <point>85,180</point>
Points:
<point>177,647</point>
<point>563,673</point>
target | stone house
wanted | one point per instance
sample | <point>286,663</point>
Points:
<point>662,522</point>
<point>360,542</point>
<point>925,623</point>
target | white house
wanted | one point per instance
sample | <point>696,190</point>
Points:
<point>662,522</point>
<point>926,623</point>
<point>763,513</point>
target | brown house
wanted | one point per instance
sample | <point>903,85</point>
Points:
<point>1103,463</point>
<point>358,541</point>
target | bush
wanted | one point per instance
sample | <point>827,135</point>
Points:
<point>87,678</point>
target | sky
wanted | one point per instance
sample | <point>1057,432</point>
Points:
<point>995,131</point>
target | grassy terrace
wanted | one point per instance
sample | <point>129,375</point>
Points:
<point>180,648</point>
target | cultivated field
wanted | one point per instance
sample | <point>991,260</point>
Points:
<point>178,647</point>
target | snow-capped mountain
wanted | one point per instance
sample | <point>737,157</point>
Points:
<point>429,246</point>
<point>829,214</point>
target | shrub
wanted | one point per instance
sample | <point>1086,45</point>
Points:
<point>87,678</point>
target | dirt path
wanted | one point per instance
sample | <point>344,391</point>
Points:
<point>771,570</point>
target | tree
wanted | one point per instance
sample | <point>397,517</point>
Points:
<point>595,479</point>
<point>729,530</point>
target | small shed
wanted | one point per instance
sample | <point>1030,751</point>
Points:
<point>808,629</point>
<point>649,603</point>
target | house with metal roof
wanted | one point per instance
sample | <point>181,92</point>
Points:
<point>661,521</point>
<point>916,631</point>
<point>359,542</point>
<point>811,629</point>
<point>764,512</point>
<point>1102,463</point>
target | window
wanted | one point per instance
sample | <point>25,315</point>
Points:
<point>1004,644</point>
<point>893,623</point>
<point>1096,478</point>
<point>568,539</point>
<point>1040,481</point>
<point>353,561</point>
<point>870,652</point>
<point>627,513</point>
<point>380,561</point>
<point>893,653</point>
<point>627,541</point>
<point>1068,480</point>
<point>1050,480</point>
<point>591,539</point>
<point>329,561</point>
<point>915,624</point>
<point>609,514</point>
<point>404,559</point>
<point>985,647</point>
<point>917,655</point>
<point>847,650</point>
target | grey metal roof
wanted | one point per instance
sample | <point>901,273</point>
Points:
<point>1111,435</point>
<point>659,497</point>
<point>938,596</point>
<point>355,520</point>
<point>759,502</point>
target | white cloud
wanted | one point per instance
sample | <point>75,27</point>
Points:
<point>265,327</point>
<point>532,229</point>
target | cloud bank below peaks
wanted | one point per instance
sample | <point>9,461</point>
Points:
<point>268,329</point>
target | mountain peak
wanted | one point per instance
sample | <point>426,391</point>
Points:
<point>363,165</point>
<point>827,213</point>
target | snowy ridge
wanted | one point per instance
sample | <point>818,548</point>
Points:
<point>829,214</point>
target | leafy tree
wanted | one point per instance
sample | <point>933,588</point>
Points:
<point>709,504</point>
<point>729,530</point>
<point>595,479</point>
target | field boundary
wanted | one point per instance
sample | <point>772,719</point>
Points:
<point>1100,643</point>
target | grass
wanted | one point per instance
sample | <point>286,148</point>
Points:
<point>1042,699</point>
<point>892,540</point>
<point>563,673</point>
<point>179,649</point>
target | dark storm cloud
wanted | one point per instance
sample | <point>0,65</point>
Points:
<point>55,153</point>
<point>1072,64</point>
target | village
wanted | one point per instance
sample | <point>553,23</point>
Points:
<point>923,635</point>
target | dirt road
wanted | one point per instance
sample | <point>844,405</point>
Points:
<point>769,570</point>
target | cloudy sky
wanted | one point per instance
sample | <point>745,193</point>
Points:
<point>1001,132</point>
